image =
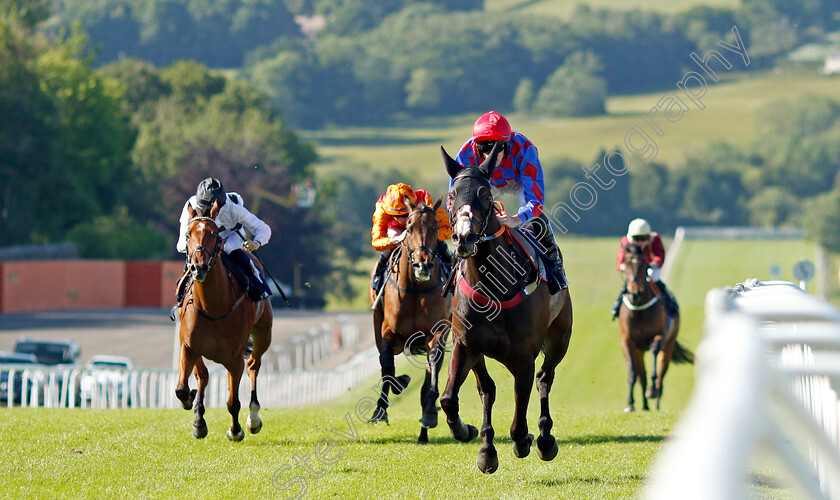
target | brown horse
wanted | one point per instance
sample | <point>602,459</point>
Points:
<point>412,314</point>
<point>645,325</point>
<point>216,320</point>
<point>493,315</point>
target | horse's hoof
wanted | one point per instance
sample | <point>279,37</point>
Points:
<point>239,436</point>
<point>200,431</point>
<point>547,448</point>
<point>472,433</point>
<point>402,382</point>
<point>629,409</point>
<point>429,420</point>
<point>253,426</point>
<point>381,415</point>
<point>523,448</point>
<point>424,436</point>
<point>488,460</point>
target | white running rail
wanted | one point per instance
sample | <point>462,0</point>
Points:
<point>767,372</point>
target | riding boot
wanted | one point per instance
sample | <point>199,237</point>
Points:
<point>379,275</point>
<point>668,298</point>
<point>617,306</point>
<point>258,290</point>
<point>558,274</point>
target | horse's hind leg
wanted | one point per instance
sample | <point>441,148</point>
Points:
<point>203,376</point>
<point>185,366</point>
<point>235,432</point>
<point>488,459</point>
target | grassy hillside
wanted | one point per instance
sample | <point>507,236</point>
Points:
<point>563,8</point>
<point>729,115</point>
<point>604,453</point>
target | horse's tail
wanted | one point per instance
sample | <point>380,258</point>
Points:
<point>682,355</point>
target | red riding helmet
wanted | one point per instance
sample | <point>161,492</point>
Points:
<point>491,126</point>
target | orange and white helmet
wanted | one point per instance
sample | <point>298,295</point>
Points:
<point>638,227</point>
<point>394,202</point>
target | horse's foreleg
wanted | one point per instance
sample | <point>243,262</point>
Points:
<point>185,366</point>
<point>430,386</point>
<point>488,459</point>
<point>523,380</point>
<point>254,423</point>
<point>202,376</point>
<point>655,383</point>
<point>386,362</point>
<point>638,363</point>
<point>459,365</point>
<point>663,361</point>
<point>235,432</point>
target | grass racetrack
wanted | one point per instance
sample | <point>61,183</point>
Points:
<point>604,453</point>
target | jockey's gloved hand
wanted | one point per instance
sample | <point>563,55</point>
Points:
<point>396,240</point>
<point>251,246</point>
<point>509,221</point>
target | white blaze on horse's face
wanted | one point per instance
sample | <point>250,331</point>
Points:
<point>463,236</point>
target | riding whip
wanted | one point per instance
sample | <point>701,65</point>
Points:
<point>267,272</point>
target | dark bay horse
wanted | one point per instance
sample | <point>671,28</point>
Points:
<point>493,316</point>
<point>412,314</point>
<point>217,318</point>
<point>645,325</point>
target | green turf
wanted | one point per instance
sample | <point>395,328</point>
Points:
<point>604,453</point>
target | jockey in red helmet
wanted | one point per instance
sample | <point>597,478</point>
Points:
<point>517,171</point>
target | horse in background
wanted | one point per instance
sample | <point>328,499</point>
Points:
<point>511,325</point>
<point>412,314</point>
<point>645,325</point>
<point>217,319</point>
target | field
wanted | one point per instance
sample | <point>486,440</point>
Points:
<point>604,453</point>
<point>563,8</point>
<point>729,115</point>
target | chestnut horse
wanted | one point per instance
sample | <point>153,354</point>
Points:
<point>510,326</point>
<point>645,325</point>
<point>216,320</point>
<point>412,314</point>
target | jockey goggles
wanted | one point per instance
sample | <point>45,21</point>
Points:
<point>485,147</point>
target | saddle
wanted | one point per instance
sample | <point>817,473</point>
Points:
<point>528,258</point>
<point>243,276</point>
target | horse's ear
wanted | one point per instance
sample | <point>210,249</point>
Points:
<point>489,163</point>
<point>453,168</point>
<point>214,210</point>
<point>410,205</point>
<point>190,211</point>
<point>437,203</point>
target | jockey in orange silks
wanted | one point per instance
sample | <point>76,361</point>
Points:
<point>389,221</point>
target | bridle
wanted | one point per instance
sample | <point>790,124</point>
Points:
<point>211,261</point>
<point>422,248</point>
<point>636,278</point>
<point>481,235</point>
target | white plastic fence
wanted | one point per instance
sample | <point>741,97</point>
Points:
<point>288,380</point>
<point>765,396</point>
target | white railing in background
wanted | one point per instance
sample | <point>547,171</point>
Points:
<point>766,378</point>
<point>286,380</point>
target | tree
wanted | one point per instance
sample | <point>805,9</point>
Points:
<point>574,89</point>
<point>821,220</point>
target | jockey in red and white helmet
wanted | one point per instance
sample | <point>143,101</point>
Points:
<point>518,171</point>
<point>639,233</point>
